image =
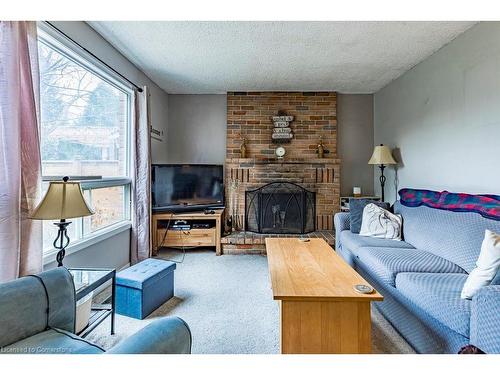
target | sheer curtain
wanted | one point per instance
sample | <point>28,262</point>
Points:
<point>20,164</point>
<point>140,240</point>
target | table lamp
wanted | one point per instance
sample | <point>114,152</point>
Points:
<point>382,156</point>
<point>62,201</point>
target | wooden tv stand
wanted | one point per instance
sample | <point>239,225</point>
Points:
<point>191,238</point>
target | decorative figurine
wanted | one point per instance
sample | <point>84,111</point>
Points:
<point>321,149</point>
<point>243,148</point>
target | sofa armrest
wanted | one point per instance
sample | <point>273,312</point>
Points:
<point>485,319</point>
<point>169,335</point>
<point>341,221</point>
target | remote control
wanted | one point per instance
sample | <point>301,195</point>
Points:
<point>363,289</point>
<point>304,239</point>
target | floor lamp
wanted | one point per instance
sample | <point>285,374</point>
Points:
<point>382,157</point>
<point>63,200</point>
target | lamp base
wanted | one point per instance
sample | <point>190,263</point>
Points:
<point>382,180</point>
<point>60,256</point>
<point>61,241</point>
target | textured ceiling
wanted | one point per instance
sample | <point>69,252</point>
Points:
<point>214,57</point>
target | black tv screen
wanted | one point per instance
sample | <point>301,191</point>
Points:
<point>178,187</point>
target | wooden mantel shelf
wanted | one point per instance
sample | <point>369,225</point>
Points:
<point>274,160</point>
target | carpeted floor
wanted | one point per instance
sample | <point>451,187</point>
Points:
<point>227,302</point>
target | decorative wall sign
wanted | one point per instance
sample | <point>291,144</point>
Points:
<point>282,133</point>
<point>282,118</point>
<point>282,137</point>
<point>156,134</point>
<point>281,124</point>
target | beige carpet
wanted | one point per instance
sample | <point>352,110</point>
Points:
<point>227,302</point>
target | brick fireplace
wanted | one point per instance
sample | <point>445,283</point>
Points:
<point>249,116</point>
<point>280,208</point>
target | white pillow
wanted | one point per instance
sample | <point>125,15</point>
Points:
<point>486,266</point>
<point>380,223</point>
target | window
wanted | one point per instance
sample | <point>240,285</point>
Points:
<point>84,132</point>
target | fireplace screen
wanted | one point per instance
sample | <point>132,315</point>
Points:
<point>280,207</point>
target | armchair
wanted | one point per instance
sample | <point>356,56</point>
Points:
<point>37,315</point>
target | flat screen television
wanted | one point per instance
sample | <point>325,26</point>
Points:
<point>186,187</point>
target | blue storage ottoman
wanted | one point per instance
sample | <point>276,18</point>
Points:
<point>144,287</point>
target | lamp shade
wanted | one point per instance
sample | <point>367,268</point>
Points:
<point>63,200</point>
<point>382,155</point>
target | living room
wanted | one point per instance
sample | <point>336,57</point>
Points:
<point>238,186</point>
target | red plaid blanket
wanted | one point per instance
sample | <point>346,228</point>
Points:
<point>486,205</point>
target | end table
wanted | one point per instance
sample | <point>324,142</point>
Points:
<point>87,280</point>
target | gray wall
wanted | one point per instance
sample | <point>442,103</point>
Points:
<point>355,142</point>
<point>159,119</point>
<point>112,252</point>
<point>197,129</point>
<point>444,117</point>
<point>115,251</point>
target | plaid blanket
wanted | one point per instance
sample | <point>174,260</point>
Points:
<point>487,206</point>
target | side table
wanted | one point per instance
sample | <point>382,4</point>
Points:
<point>344,201</point>
<point>87,280</point>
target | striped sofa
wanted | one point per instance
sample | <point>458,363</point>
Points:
<point>421,278</point>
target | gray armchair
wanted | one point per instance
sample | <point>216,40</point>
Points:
<point>37,315</point>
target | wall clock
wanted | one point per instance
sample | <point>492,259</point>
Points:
<point>280,152</point>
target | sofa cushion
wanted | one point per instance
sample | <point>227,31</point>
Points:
<point>53,341</point>
<point>380,223</point>
<point>456,236</point>
<point>352,241</point>
<point>439,295</point>
<point>356,207</point>
<point>386,263</point>
<point>488,265</point>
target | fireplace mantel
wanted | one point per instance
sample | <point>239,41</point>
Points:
<point>266,161</point>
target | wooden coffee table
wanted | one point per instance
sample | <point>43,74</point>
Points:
<point>320,310</point>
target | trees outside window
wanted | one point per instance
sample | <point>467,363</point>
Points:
<point>84,132</point>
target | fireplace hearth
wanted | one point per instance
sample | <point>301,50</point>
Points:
<point>280,208</point>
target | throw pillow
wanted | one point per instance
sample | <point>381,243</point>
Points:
<point>487,265</point>
<point>356,207</point>
<point>380,223</point>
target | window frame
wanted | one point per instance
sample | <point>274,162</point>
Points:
<point>66,47</point>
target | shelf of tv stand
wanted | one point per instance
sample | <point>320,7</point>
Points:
<point>201,237</point>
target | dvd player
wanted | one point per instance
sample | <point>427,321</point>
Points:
<point>202,225</point>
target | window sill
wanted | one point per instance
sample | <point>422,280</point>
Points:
<point>101,235</point>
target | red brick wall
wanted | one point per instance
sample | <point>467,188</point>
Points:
<point>249,115</point>
<point>315,114</point>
